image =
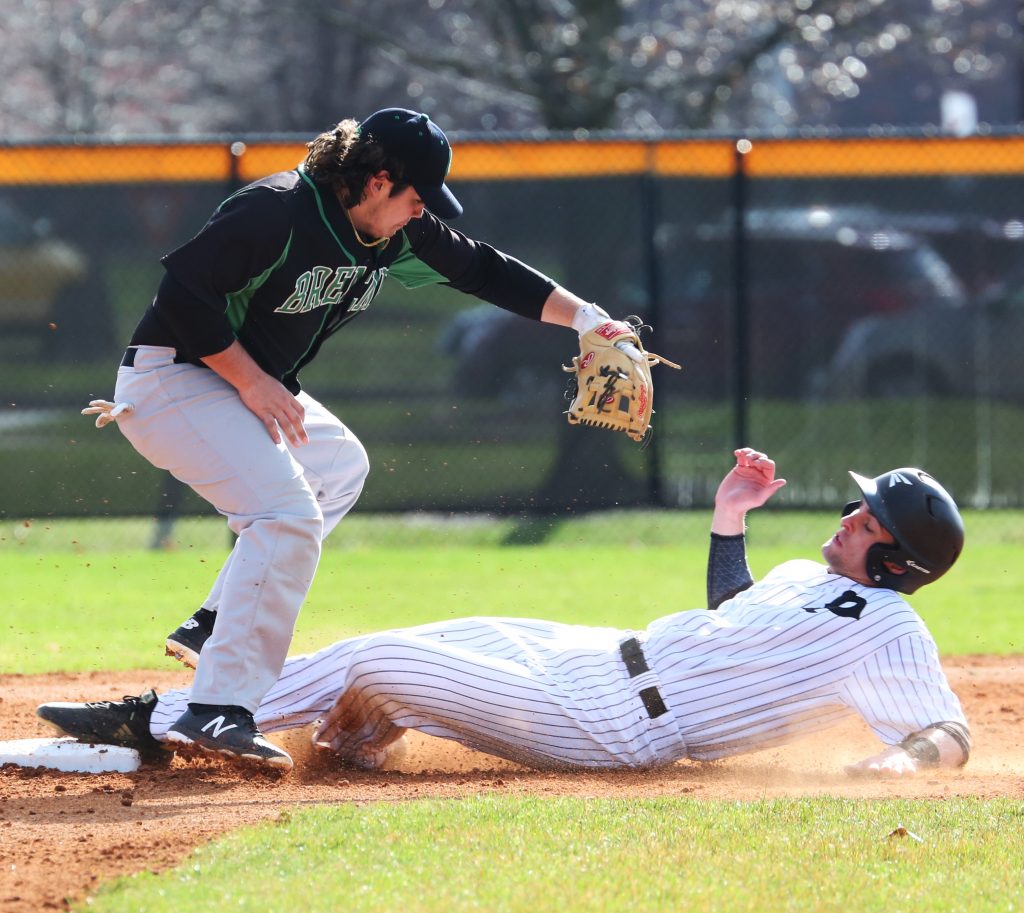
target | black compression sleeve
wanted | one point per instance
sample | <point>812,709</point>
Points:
<point>512,285</point>
<point>728,573</point>
<point>479,269</point>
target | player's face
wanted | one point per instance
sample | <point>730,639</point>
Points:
<point>846,552</point>
<point>381,215</point>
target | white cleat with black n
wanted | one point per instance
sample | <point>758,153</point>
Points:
<point>228,732</point>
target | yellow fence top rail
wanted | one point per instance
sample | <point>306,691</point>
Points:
<point>518,159</point>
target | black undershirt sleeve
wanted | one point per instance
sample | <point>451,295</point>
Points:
<point>728,573</point>
<point>479,269</point>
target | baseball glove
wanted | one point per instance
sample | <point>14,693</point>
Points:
<point>611,384</point>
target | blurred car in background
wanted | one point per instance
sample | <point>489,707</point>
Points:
<point>810,273</point>
<point>982,249</point>
<point>35,269</point>
<point>966,351</point>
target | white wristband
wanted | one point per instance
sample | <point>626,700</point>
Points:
<point>587,317</point>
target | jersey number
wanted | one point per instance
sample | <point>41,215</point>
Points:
<point>847,605</point>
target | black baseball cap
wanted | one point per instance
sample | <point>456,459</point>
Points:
<point>424,151</point>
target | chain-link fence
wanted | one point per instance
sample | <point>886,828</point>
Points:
<point>841,302</point>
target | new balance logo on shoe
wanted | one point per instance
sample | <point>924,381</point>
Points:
<point>229,732</point>
<point>218,726</point>
<point>190,624</point>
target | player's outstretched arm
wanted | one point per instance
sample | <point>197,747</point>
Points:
<point>931,747</point>
<point>748,485</point>
<point>565,309</point>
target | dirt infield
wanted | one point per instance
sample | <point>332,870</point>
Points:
<point>63,834</point>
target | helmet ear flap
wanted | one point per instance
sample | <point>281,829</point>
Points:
<point>877,557</point>
<point>849,508</point>
<point>913,575</point>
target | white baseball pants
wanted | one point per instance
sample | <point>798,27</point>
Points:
<point>536,692</point>
<point>279,501</point>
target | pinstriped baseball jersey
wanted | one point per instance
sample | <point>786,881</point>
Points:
<point>791,655</point>
<point>796,652</point>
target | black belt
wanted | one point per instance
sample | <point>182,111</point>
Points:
<point>128,359</point>
<point>636,664</point>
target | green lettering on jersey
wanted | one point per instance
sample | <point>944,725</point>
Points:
<point>372,288</point>
<point>295,301</point>
<point>322,286</point>
<point>344,276</point>
<point>316,287</point>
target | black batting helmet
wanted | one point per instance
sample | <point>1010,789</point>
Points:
<point>922,518</point>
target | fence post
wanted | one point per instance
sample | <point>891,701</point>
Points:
<point>741,316</point>
<point>173,492</point>
<point>650,215</point>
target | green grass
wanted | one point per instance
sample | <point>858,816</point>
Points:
<point>56,602</point>
<point>557,854</point>
<point>65,580</point>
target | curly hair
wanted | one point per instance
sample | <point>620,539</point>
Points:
<point>345,160</point>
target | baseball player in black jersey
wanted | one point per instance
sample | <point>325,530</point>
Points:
<point>806,647</point>
<point>208,388</point>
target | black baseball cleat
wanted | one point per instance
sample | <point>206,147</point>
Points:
<point>230,732</point>
<point>124,722</point>
<point>186,642</point>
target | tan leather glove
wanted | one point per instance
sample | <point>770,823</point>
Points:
<point>612,386</point>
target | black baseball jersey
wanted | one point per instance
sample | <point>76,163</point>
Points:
<point>278,268</point>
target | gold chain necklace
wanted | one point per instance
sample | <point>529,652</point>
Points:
<point>359,238</point>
